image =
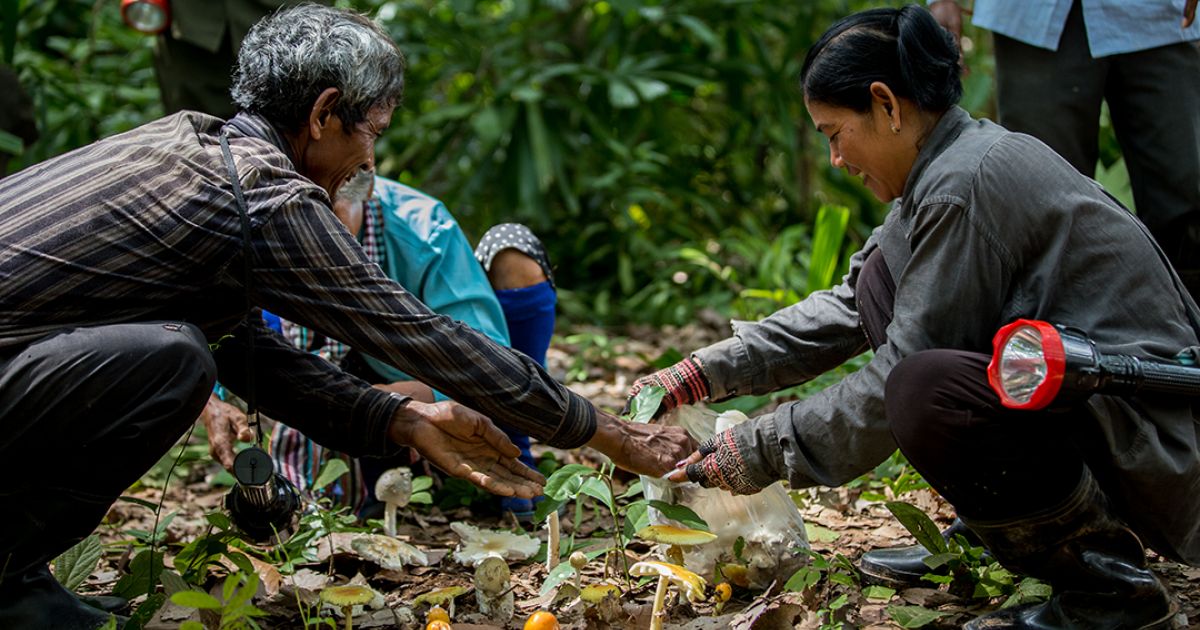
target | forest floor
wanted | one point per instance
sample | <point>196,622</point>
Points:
<point>840,523</point>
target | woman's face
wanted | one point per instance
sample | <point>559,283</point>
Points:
<point>865,145</point>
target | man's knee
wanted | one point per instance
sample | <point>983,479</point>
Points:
<point>513,269</point>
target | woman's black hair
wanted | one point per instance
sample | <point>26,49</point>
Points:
<point>906,49</point>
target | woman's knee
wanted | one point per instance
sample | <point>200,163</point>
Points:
<point>926,390</point>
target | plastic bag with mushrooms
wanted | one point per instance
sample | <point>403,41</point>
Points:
<point>768,521</point>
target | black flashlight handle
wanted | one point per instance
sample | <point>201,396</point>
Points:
<point>1130,374</point>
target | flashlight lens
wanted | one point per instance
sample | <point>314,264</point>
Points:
<point>145,17</point>
<point>1023,364</point>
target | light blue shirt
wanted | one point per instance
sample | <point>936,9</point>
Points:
<point>1113,26</point>
<point>428,254</point>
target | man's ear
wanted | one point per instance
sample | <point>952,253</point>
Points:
<point>321,114</point>
<point>883,98</point>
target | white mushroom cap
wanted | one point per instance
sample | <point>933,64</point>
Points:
<point>478,544</point>
<point>693,585</point>
<point>387,552</point>
<point>394,486</point>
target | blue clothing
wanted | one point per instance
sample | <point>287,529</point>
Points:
<point>1113,26</point>
<point>530,315</point>
<point>428,254</point>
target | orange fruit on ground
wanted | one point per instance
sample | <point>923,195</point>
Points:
<point>541,620</point>
<point>437,613</point>
<point>438,625</point>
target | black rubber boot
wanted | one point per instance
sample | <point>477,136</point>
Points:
<point>904,566</point>
<point>1094,562</point>
<point>36,600</point>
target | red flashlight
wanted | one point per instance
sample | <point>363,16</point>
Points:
<point>146,16</point>
<point>1034,362</point>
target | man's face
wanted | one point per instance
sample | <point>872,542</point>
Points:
<point>341,153</point>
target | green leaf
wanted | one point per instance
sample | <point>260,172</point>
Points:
<point>881,593</point>
<point>634,490</point>
<point>649,89</point>
<point>218,520</point>
<point>191,625</point>
<point>421,498</point>
<point>424,482</point>
<point>559,573</point>
<point>196,599</point>
<point>937,560</point>
<point>149,505</point>
<point>828,235</point>
<point>913,616</point>
<point>76,564</point>
<point>145,611</point>
<point>621,95</point>
<point>566,481</point>
<point>838,603</point>
<point>598,489</point>
<point>643,406</point>
<point>820,534</point>
<point>802,579</point>
<point>680,513</point>
<point>144,570</point>
<point>173,582</point>
<point>919,525</point>
<point>636,517</point>
<point>547,506</point>
<point>739,546</point>
<point>331,472</point>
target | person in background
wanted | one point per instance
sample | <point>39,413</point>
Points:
<point>507,294</point>
<point>986,226</point>
<point>122,261</point>
<point>1057,61</point>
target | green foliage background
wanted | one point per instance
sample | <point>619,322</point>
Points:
<point>660,147</point>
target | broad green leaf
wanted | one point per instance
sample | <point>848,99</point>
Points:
<point>803,579</point>
<point>643,406</point>
<point>149,505</point>
<point>680,513</point>
<point>598,489</point>
<point>545,507</point>
<point>881,593</point>
<point>566,481</point>
<point>76,564</point>
<point>196,599</point>
<point>934,561</point>
<point>424,482</point>
<point>919,525</point>
<point>191,625</point>
<point>913,616</point>
<point>173,582</point>
<point>218,520</point>
<point>636,517</point>
<point>144,570</point>
<point>634,490</point>
<point>331,472</point>
<point>1029,591</point>
<point>650,89</point>
<point>840,602</point>
<point>421,498</point>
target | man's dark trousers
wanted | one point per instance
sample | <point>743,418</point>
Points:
<point>84,412</point>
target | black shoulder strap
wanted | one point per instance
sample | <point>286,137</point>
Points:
<point>247,252</point>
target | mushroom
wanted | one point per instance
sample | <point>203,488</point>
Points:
<point>440,598</point>
<point>394,488</point>
<point>438,625</point>
<point>437,613</point>
<point>721,594</point>
<point>692,584</point>
<point>477,544</point>
<point>578,561</point>
<point>541,620</point>
<point>346,598</point>
<point>595,593</point>
<point>387,552</point>
<point>493,590</point>
<point>676,537</point>
<point>552,541</point>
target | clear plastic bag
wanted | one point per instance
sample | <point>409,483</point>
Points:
<point>768,522</point>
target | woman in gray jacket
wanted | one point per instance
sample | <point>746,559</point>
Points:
<point>986,226</point>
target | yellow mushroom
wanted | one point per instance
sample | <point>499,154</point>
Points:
<point>442,597</point>
<point>346,598</point>
<point>594,593</point>
<point>721,594</point>
<point>693,585</point>
<point>676,538</point>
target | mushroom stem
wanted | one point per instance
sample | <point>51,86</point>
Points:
<point>348,613</point>
<point>389,519</point>
<point>552,544</point>
<point>675,555</point>
<point>660,596</point>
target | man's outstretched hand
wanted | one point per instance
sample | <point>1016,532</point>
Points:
<point>463,443</point>
<point>645,449</point>
<point>226,425</point>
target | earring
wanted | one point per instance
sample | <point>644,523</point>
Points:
<point>895,129</point>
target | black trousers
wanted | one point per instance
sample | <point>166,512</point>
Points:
<point>1153,98</point>
<point>989,461</point>
<point>84,413</point>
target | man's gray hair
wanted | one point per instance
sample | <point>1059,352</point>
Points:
<point>289,58</point>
